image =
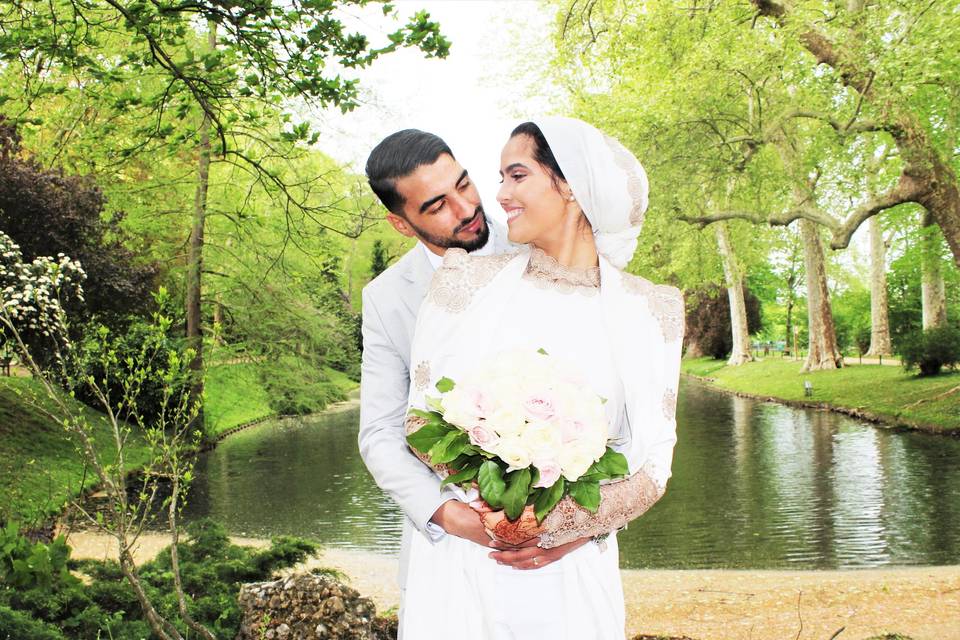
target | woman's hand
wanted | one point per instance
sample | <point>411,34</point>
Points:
<point>516,533</point>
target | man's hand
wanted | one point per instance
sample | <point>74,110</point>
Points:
<point>530,556</point>
<point>457,519</point>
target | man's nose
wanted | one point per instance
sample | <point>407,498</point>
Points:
<point>464,207</point>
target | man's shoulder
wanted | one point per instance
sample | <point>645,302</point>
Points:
<point>387,280</point>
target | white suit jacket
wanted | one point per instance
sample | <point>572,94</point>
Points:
<point>391,302</point>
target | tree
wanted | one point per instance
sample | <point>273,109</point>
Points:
<point>49,213</point>
<point>708,322</point>
<point>880,344</point>
<point>378,258</point>
<point>210,78</point>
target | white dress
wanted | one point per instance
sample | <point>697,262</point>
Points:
<point>453,588</point>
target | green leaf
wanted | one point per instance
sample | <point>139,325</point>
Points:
<point>542,351</point>
<point>465,475</point>
<point>515,497</point>
<point>449,447</point>
<point>611,465</point>
<point>434,404</point>
<point>426,436</point>
<point>586,493</point>
<point>492,486</point>
<point>445,384</point>
<point>429,416</point>
<point>548,499</point>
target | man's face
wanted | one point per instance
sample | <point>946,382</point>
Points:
<point>441,207</point>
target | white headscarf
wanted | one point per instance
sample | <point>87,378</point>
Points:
<point>608,182</point>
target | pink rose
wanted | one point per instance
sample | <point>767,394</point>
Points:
<point>549,472</point>
<point>540,406</point>
<point>572,429</point>
<point>481,436</point>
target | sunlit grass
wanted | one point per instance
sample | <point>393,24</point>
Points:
<point>40,466</point>
<point>889,393</point>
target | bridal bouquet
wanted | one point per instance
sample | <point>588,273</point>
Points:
<point>524,430</point>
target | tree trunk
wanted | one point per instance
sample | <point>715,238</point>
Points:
<point>879,314</point>
<point>195,257</point>
<point>934,295</point>
<point>740,352</point>
<point>822,347</point>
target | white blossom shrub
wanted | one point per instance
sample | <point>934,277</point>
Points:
<point>33,293</point>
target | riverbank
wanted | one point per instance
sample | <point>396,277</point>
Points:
<point>881,394</point>
<point>40,469</point>
<point>919,602</point>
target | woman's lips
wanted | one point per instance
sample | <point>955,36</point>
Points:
<point>512,214</point>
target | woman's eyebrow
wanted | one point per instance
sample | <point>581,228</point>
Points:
<point>515,165</point>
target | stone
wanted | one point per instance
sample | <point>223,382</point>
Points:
<point>307,607</point>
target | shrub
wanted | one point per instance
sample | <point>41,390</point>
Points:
<point>931,350</point>
<point>708,321</point>
<point>15,625</point>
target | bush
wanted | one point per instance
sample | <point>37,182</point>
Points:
<point>16,625</point>
<point>708,321</point>
<point>212,569</point>
<point>931,350</point>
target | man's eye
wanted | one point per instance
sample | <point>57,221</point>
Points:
<point>439,206</point>
<point>464,185</point>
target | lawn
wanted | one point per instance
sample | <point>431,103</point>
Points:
<point>233,396</point>
<point>889,393</point>
<point>40,468</point>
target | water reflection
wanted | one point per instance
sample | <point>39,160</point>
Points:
<point>755,485</point>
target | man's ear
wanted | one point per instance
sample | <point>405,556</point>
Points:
<point>401,225</point>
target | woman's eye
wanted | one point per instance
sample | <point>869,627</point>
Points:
<point>517,176</point>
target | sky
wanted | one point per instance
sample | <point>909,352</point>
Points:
<point>490,82</point>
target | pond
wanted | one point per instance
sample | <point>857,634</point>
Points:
<point>755,485</point>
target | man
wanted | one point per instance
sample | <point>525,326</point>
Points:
<point>429,196</point>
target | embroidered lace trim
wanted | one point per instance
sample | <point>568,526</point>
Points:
<point>421,375</point>
<point>625,160</point>
<point>547,273</point>
<point>670,404</point>
<point>460,276</point>
<point>666,304</point>
<point>620,502</point>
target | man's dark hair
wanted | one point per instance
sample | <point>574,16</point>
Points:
<point>542,152</point>
<point>397,156</point>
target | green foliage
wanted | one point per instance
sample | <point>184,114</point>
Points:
<point>212,571</point>
<point>25,564</point>
<point>233,395</point>
<point>17,624</point>
<point>931,350</point>
<point>378,259</point>
<point>708,319</point>
<point>294,386</point>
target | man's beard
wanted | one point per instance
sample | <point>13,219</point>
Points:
<point>452,242</point>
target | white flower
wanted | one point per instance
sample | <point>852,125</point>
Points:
<point>575,459</point>
<point>512,450</point>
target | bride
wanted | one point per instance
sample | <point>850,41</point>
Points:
<point>576,198</point>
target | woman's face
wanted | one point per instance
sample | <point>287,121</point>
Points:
<point>535,208</point>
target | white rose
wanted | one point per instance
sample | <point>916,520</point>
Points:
<point>512,451</point>
<point>542,439</point>
<point>575,459</point>
<point>506,421</point>
<point>460,407</point>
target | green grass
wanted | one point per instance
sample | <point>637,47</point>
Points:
<point>882,391</point>
<point>234,396</point>
<point>40,468</point>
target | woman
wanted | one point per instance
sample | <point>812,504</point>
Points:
<point>576,197</point>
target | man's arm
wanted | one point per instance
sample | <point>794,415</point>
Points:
<point>384,389</point>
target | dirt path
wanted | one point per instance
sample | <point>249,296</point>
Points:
<point>709,605</point>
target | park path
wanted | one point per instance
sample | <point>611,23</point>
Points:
<point>921,602</point>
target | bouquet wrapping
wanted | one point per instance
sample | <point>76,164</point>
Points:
<point>523,429</point>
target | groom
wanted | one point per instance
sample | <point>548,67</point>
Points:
<point>429,196</point>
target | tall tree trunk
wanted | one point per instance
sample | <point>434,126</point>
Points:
<point>879,313</point>
<point>823,352</point>
<point>740,352</point>
<point>933,290</point>
<point>195,256</point>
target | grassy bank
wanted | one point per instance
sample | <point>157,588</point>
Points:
<point>40,468</point>
<point>235,395</point>
<point>888,394</point>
